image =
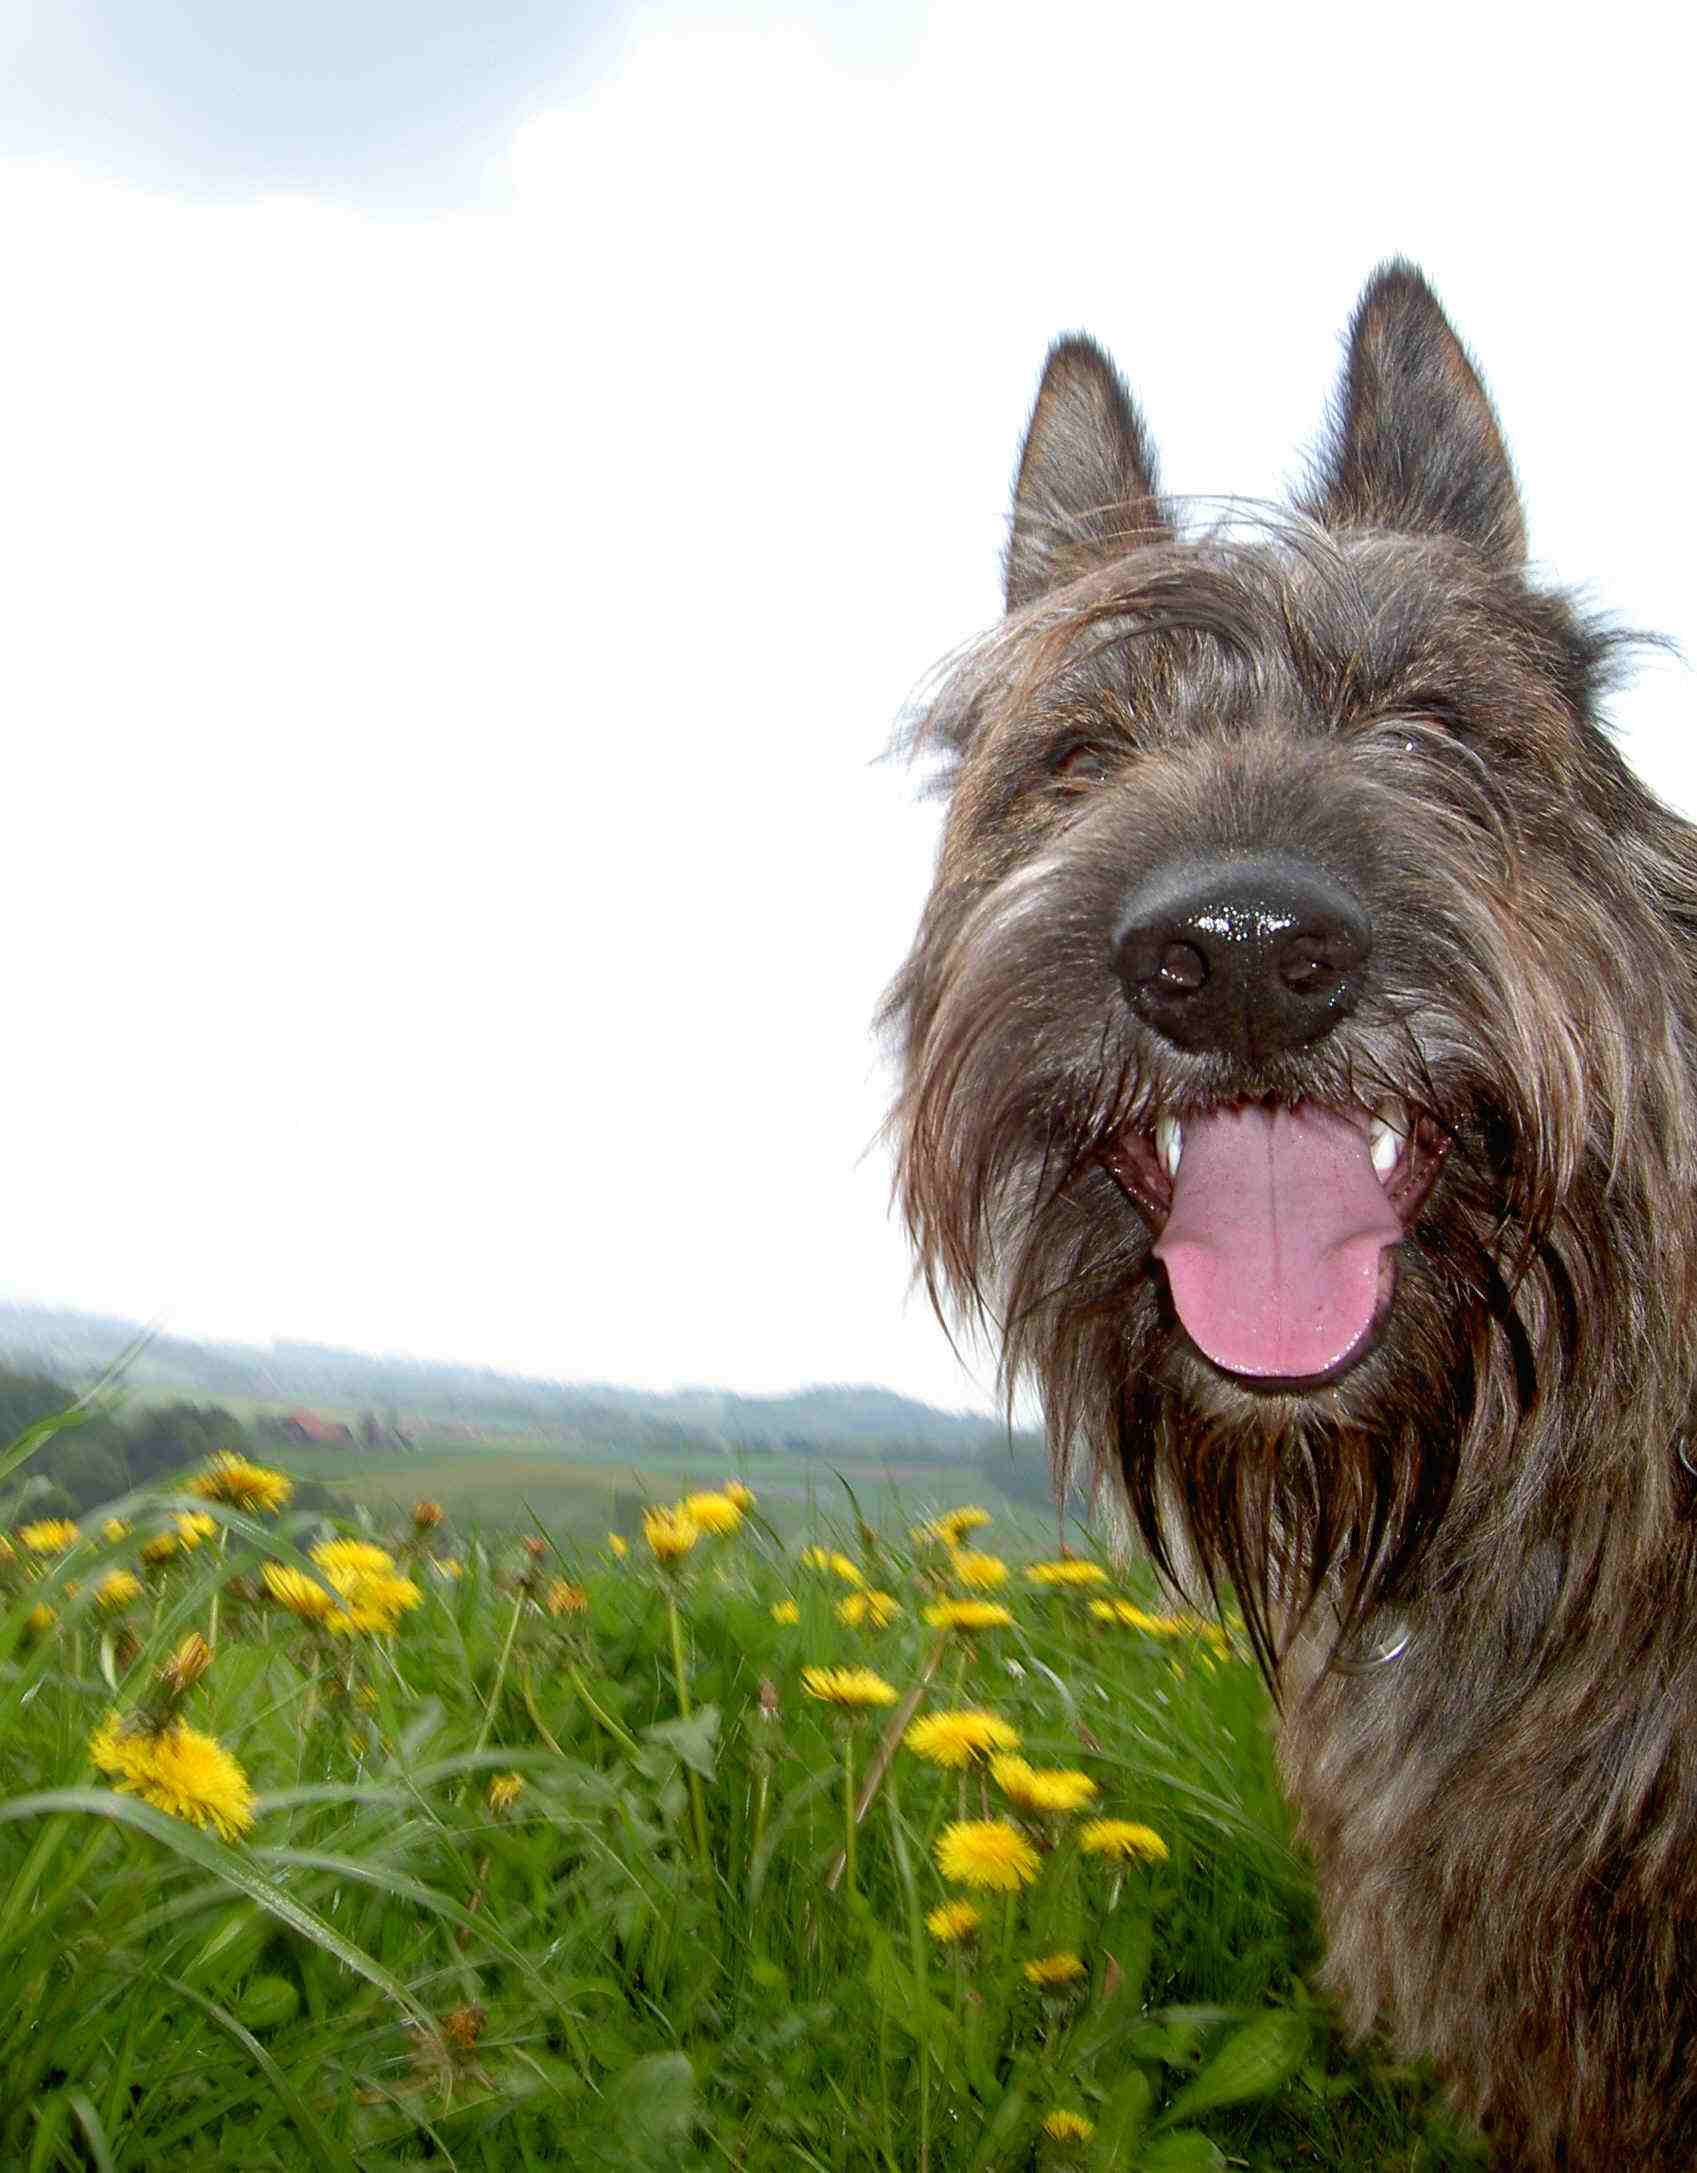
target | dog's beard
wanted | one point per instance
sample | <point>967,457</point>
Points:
<point>1287,1424</point>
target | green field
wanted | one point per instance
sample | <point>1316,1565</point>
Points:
<point>642,1950</point>
<point>515,1481</point>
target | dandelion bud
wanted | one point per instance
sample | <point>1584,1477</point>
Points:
<point>186,1665</point>
<point>504,1791</point>
<point>426,1515</point>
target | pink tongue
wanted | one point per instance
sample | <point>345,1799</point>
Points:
<point>1272,1247</point>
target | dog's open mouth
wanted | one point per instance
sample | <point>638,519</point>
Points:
<point>1276,1226</point>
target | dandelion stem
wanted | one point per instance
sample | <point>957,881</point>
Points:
<point>762,1794</point>
<point>848,1809</point>
<point>620,1735</point>
<point>536,1721</point>
<point>887,1749</point>
<point>499,1683</point>
<point>916,1939</point>
<point>698,1807</point>
<point>217,1593</point>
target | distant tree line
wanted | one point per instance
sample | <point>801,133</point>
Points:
<point>104,1455</point>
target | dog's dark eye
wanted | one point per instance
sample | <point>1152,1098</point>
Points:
<point>1079,766</point>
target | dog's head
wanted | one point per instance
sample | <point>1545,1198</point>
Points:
<point>1296,1046</point>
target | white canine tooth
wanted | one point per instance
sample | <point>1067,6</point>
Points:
<point>1384,1143</point>
<point>1169,1143</point>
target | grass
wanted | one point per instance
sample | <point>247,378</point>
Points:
<point>547,1875</point>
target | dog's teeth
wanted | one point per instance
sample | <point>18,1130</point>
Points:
<point>1384,1143</point>
<point>1169,1144</point>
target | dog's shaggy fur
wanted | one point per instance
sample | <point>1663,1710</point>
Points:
<point>1269,831</point>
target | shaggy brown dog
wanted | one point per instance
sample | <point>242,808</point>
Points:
<point>1298,1069</point>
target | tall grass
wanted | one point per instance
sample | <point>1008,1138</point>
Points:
<point>551,1874</point>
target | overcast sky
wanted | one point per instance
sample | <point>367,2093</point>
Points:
<point>479,486</point>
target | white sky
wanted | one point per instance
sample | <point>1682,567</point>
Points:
<point>449,875</point>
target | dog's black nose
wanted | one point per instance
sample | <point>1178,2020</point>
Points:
<point>1242,956</point>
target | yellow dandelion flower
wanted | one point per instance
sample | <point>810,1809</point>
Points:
<point>987,1852</point>
<point>617,1547</point>
<point>1135,1618</point>
<point>927,1535</point>
<point>954,1921</point>
<point>353,1558</point>
<point>194,1525</point>
<point>880,1608</point>
<point>839,1565</point>
<point>53,1535</point>
<point>851,1688</point>
<point>114,1529</point>
<point>954,1526</point>
<point>446,1565</point>
<point>240,1484</point>
<point>1052,1971</point>
<point>744,1496</point>
<point>426,1515</point>
<point>785,1611</point>
<point>1065,2126</point>
<point>980,1572</point>
<point>159,1548</point>
<point>40,1619</point>
<point>669,1533</point>
<point>195,1778</point>
<point>118,1589</point>
<point>1122,1839</point>
<point>373,1594</point>
<point>183,1772</point>
<point>566,1598</point>
<point>373,1602</point>
<point>968,1615</point>
<point>504,1791</point>
<point>121,1749</point>
<point>1042,1788</point>
<point>716,1513</point>
<point>1067,1571</point>
<point>300,1594</point>
<point>958,1737</point>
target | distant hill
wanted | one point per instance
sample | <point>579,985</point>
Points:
<point>78,1347</point>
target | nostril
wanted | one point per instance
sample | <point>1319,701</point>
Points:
<point>1308,963</point>
<point>1182,969</point>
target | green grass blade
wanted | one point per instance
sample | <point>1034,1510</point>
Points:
<point>230,1865</point>
<point>1252,2063</point>
<point>93,2131</point>
<point>329,2153</point>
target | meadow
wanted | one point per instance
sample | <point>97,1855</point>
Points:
<point>520,1481</point>
<point>374,1842</point>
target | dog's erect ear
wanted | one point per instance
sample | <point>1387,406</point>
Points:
<point>1086,489</point>
<point>1415,443</point>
